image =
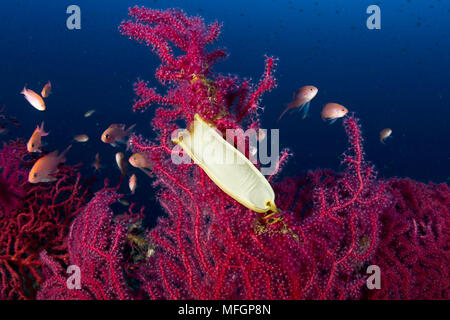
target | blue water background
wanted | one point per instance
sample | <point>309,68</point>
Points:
<point>396,77</point>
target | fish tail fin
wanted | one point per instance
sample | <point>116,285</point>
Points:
<point>62,156</point>
<point>99,169</point>
<point>305,108</point>
<point>125,172</point>
<point>41,129</point>
<point>130,129</point>
<point>383,140</point>
<point>24,90</point>
<point>129,144</point>
<point>147,172</point>
<point>331,121</point>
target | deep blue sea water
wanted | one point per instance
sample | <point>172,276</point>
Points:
<point>395,77</point>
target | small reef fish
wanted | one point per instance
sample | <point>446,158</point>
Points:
<point>116,133</point>
<point>34,99</point>
<point>46,90</point>
<point>46,167</point>
<point>97,165</point>
<point>35,142</point>
<point>81,138</point>
<point>89,113</point>
<point>333,111</point>
<point>124,202</point>
<point>140,161</point>
<point>132,183</point>
<point>384,134</point>
<point>301,99</point>
<point>121,163</point>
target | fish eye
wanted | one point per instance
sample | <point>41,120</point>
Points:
<point>32,145</point>
<point>35,174</point>
<point>107,136</point>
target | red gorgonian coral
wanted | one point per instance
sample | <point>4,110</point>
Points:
<point>414,251</point>
<point>330,228</point>
<point>211,247</point>
<point>32,218</point>
<point>95,245</point>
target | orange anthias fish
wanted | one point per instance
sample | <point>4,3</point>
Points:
<point>121,163</point>
<point>46,167</point>
<point>384,134</point>
<point>124,202</point>
<point>97,165</point>
<point>301,99</point>
<point>81,138</point>
<point>34,99</point>
<point>89,113</point>
<point>333,111</point>
<point>139,160</point>
<point>46,90</point>
<point>35,143</point>
<point>132,183</point>
<point>116,133</point>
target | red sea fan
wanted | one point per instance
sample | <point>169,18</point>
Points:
<point>209,246</point>
<point>414,253</point>
<point>95,245</point>
<point>329,229</point>
<point>331,226</point>
<point>193,87</point>
<point>12,175</point>
<point>36,218</point>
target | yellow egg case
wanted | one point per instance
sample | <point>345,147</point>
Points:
<point>226,166</point>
